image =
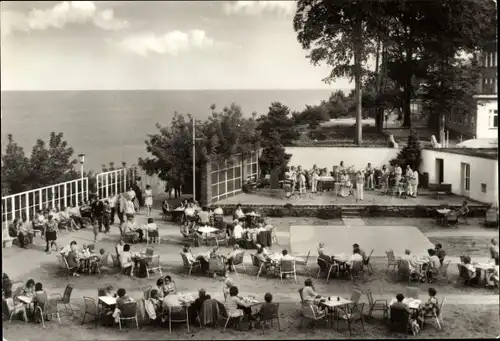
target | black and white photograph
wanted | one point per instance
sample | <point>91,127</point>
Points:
<point>225,170</point>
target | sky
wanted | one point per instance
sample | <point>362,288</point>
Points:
<point>114,45</point>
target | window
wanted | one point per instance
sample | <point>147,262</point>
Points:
<point>252,165</point>
<point>226,179</point>
<point>483,188</point>
<point>493,118</point>
<point>472,121</point>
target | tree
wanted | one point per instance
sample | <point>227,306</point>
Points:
<point>278,120</point>
<point>15,168</point>
<point>338,33</point>
<point>50,164</point>
<point>313,114</point>
<point>411,153</point>
<point>273,155</point>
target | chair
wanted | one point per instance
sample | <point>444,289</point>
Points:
<point>189,266</point>
<point>367,263</point>
<point>438,317</point>
<point>270,315</point>
<point>257,264</point>
<point>412,292</point>
<point>309,312</point>
<point>146,291</point>
<point>49,309</point>
<point>287,267</point>
<point>149,252</point>
<point>452,218</point>
<point>357,271</point>
<point>17,289</point>
<point>180,316</point>
<point>227,317</point>
<point>399,321</point>
<point>326,268</point>
<point>391,260</point>
<point>376,305</point>
<point>209,313</point>
<point>443,272</point>
<point>221,238</point>
<point>463,275</point>
<point>64,264</point>
<point>154,264</point>
<point>90,309</point>
<point>128,312</point>
<point>300,295</point>
<point>303,262</point>
<point>65,298</point>
<point>404,270</point>
<point>10,313</point>
<point>238,260</point>
<point>355,314</point>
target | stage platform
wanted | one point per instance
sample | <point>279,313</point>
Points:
<point>339,239</point>
<point>371,198</point>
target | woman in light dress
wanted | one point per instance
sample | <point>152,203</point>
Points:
<point>148,201</point>
<point>360,183</point>
<point>293,177</point>
<point>301,177</point>
<point>314,179</point>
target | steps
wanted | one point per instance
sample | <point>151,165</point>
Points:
<point>350,212</point>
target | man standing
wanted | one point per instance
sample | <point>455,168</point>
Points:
<point>415,183</point>
<point>26,233</point>
<point>106,216</point>
<point>369,176</point>
<point>112,206</point>
<point>494,250</point>
<point>98,211</point>
<point>409,181</point>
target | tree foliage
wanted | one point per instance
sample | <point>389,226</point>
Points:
<point>48,164</point>
<point>224,134</point>
<point>273,155</point>
<point>278,120</point>
<point>411,153</point>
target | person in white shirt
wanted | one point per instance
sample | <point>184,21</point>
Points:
<point>238,213</point>
<point>286,256</point>
<point>411,260</point>
<point>369,172</point>
<point>356,257</point>
<point>126,261</point>
<point>218,211</point>
<point>129,208</point>
<point>434,265</point>
<point>122,202</point>
<point>409,180</point>
<point>113,200</point>
<point>238,230</point>
<point>415,183</point>
<point>398,172</point>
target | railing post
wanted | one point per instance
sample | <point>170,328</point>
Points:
<point>27,208</point>
<point>53,197</point>
<point>13,208</point>
<point>116,182</point>
<point>107,185</point>
<point>65,195</point>
<point>40,199</point>
<point>46,196</point>
<point>87,187</point>
<point>71,193</point>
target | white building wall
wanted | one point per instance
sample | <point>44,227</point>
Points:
<point>484,128</point>
<point>482,171</point>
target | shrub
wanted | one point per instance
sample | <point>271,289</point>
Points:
<point>245,188</point>
<point>288,206</point>
<point>276,213</point>
<point>328,213</point>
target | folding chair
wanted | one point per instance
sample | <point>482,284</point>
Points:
<point>287,267</point>
<point>326,268</point>
<point>128,313</point>
<point>90,309</point>
<point>154,264</point>
<point>189,266</point>
<point>367,263</point>
<point>303,262</point>
<point>376,305</point>
<point>269,316</point>
<point>178,316</point>
<point>437,317</point>
<point>355,314</point>
<point>391,260</point>
<point>65,298</point>
<point>238,260</point>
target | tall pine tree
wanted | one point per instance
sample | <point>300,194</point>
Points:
<point>411,153</point>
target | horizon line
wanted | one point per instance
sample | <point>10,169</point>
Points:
<point>246,89</point>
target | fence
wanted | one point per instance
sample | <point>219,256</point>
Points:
<point>114,182</point>
<point>28,203</point>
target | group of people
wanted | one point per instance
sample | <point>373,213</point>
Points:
<point>353,182</point>
<point>355,262</point>
<point>84,259</point>
<point>492,274</point>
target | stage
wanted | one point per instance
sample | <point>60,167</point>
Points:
<point>339,239</point>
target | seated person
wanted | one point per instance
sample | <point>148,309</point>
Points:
<point>431,307</point>
<point>440,253</point>
<point>73,259</point>
<point>310,297</point>
<point>131,228</point>
<point>204,217</point>
<point>361,251</point>
<point>126,262</point>
<point>29,288</point>
<point>198,303</point>
<point>238,213</point>
<point>65,250</point>
<point>228,284</point>
<point>204,264</point>
<point>434,265</point>
<point>492,277</point>
<point>169,286</point>
<point>411,260</point>
<point>190,215</point>
<point>153,233</point>
<point>218,212</point>
<point>25,233</point>
<point>261,255</point>
<point>39,300</point>
<point>322,255</point>
<point>155,299</point>
<point>14,228</point>
<point>122,298</point>
<point>471,268</point>
<point>238,230</point>
<point>235,306</point>
<point>160,288</point>
<point>65,219</point>
<point>74,214</point>
<point>267,308</point>
<point>230,257</point>
<point>285,256</point>
<point>464,211</point>
<point>17,310</point>
<point>356,257</point>
<point>165,207</point>
<point>39,221</point>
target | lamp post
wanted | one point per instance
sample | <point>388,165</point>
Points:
<point>81,158</point>
<point>194,158</point>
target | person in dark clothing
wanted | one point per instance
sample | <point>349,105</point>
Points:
<point>97,207</point>
<point>440,252</point>
<point>106,216</point>
<point>138,193</point>
<point>6,284</point>
<point>198,304</point>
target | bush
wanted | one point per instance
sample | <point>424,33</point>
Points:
<point>288,206</point>
<point>245,188</point>
<point>325,213</point>
<point>276,213</point>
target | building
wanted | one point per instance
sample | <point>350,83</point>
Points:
<point>481,123</point>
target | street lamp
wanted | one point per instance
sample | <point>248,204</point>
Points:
<point>194,158</point>
<point>81,158</point>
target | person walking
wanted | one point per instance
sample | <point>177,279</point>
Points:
<point>51,230</point>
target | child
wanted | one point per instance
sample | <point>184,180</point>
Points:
<point>431,307</point>
<point>95,227</point>
<point>152,231</point>
<point>106,217</point>
<point>39,301</point>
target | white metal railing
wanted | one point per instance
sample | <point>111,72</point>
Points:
<point>114,182</point>
<point>27,203</point>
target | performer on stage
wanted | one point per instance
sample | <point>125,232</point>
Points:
<point>287,185</point>
<point>293,176</point>
<point>314,178</point>
<point>369,172</point>
<point>341,168</point>
<point>398,172</point>
<point>384,178</point>
<point>409,180</point>
<point>415,183</point>
<point>345,182</point>
<point>360,184</point>
<point>302,180</point>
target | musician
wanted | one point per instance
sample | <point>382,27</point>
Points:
<point>360,184</point>
<point>398,173</point>
<point>345,180</point>
<point>369,172</point>
<point>314,178</point>
<point>384,178</point>
<point>301,177</point>
<point>409,180</point>
<point>415,183</point>
<point>293,177</point>
<point>287,184</point>
<point>341,167</point>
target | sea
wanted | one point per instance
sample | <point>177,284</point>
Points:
<point>112,126</point>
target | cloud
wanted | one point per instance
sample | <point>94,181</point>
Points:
<point>259,7</point>
<point>173,43</point>
<point>62,14</point>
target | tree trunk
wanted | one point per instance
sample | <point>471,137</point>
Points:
<point>358,50</point>
<point>407,90</point>
<point>378,120</point>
